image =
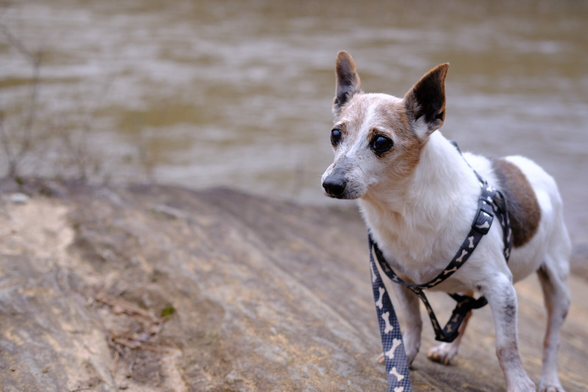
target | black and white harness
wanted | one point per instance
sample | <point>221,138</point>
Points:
<point>491,204</point>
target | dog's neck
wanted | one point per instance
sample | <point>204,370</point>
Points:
<point>413,219</point>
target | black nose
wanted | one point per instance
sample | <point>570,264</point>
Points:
<point>335,186</point>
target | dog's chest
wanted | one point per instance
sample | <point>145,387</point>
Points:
<point>416,251</point>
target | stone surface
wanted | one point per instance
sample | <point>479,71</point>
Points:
<point>19,198</point>
<point>165,289</point>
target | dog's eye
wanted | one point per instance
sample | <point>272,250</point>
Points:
<point>336,136</point>
<point>381,144</point>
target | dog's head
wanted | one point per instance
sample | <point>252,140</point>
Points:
<point>377,138</point>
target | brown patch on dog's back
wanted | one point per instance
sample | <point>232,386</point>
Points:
<point>523,207</point>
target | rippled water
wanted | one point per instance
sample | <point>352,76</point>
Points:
<point>239,93</point>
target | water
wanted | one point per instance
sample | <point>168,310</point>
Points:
<point>239,93</point>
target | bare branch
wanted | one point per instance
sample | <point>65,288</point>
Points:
<point>26,142</point>
<point>5,140</point>
<point>34,59</point>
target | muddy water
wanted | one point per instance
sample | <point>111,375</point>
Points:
<point>239,93</point>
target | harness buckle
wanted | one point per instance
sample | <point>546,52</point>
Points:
<point>484,218</point>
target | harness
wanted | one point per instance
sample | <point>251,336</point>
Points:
<point>491,204</point>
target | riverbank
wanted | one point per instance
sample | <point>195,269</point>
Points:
<point>151,288</point>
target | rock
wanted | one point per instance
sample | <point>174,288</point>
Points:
<point>19,198</point>
<point>169,212</point>
<point>102,371</point>
<point>266,295</point>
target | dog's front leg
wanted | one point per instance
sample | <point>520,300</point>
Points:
<point>409,307</point>
<point>502,298</point>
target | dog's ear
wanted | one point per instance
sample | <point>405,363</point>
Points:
<point>425,101</point>
<point>348,83</point>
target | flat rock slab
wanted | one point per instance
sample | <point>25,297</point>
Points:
<point>153,288</point>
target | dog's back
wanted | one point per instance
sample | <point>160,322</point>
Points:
<point>536,212</point>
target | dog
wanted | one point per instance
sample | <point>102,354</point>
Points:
<point>418,196</point>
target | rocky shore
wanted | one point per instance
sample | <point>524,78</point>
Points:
<point>150,288</point>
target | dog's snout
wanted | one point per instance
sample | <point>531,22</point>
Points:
<point>335,185</point>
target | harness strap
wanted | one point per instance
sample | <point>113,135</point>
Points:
<point>480,226</point>
<point>491,204</point>
<point>392,343</point>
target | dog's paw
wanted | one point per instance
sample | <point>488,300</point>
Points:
<point>524,385</point>
<point>409,358</point>
<point>550,383</point>
<point>443,353</point>
<point>381,358</point>
<point>551,388</point>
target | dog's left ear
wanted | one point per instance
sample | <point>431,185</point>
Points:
<point>425,101</point>
<point>348,82</point>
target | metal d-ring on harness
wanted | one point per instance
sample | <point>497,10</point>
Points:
<point>491,204</point>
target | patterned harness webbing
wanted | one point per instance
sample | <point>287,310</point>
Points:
<point>491,203</point>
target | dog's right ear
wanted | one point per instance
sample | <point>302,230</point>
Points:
<point>348,83</point>
<point>425,101</point>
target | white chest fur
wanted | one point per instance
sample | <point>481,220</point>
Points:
<point>419,226</point>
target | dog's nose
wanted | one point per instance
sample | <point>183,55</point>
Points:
<point>335,186</point>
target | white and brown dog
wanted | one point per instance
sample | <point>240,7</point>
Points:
<point>418,197</point>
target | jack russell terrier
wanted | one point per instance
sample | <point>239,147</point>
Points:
<point>418,196</point>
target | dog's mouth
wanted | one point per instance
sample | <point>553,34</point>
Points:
<point>341,197</point>
<point>344,197</point>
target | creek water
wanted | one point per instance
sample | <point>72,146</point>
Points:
<point>239,93</point>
